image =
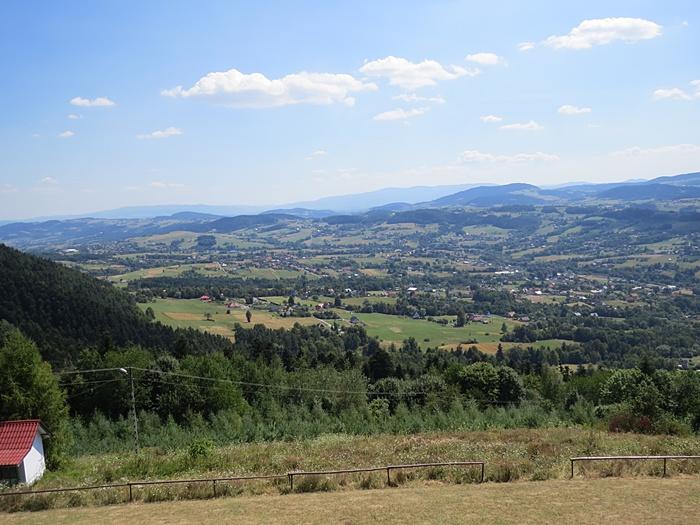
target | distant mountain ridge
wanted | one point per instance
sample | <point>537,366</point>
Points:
<point>82,231</point>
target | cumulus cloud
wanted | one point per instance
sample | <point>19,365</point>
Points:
<point>672,93</point>
<point>412,97</point>
<point>400,114</point>
<point>48,181</point>
<point>485,59</point>
<point>73,116</point>
<point>255,90</point>
<point>476,156</point>
<point>413,75</point>
<point>677,93</point>
<point>637,151</point>
<point>316,154</point>
<point>65,134</point>
<point>568,109</point>
<point>526,46</point>
<point>490,118</point>
<point>161,134</point>
<point>526,126</point>
<point>601,31</point>
<point>89,103</point>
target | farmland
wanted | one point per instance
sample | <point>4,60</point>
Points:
<point>192,313</point>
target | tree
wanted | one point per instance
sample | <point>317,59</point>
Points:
<point>337,302</point>
<point>290,301</point>
<point>150,313</point>
<point>500,355</point>
<point>461,318</point>
<point>248,315</point>
<point>380,365</point>
<point>504,328</point>
<point>30,391</point>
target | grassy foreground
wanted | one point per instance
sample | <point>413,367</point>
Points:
<point>510,455</point>
<point>620,501</point>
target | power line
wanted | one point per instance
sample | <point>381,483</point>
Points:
<point>247,384</point>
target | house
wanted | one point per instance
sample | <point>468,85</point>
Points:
<point>21,451</point>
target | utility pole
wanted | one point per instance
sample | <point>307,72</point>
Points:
<point>129,371</point>
<point>133,407</point>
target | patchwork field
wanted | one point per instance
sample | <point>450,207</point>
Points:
<point>212,317</point>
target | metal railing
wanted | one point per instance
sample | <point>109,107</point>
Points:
<point>129,486</point>
<point>388,470</point>
<point>629,458</point>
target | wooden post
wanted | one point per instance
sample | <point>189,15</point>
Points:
<point>664,468</point>
<point>388,476</point>
<point>213,486</point>
<point>291,482</point>
<point>572,469</point>
<point>131,495</point>
<point>482,472</point>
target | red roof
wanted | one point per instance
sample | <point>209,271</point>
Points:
<point>16,438</point>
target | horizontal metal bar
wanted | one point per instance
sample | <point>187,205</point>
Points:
<point>69,489</point>
<point>619,458</point>
<point>330,472</point>
<point>447,464</point>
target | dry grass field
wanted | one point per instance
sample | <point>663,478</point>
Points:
<point>619,501</point>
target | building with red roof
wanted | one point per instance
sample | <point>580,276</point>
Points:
<point>21,451</point>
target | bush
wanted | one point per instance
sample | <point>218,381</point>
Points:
<point>200,448</point>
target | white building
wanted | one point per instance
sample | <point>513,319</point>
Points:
<point>21,451</point>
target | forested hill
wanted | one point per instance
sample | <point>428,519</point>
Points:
<point>64,310</point>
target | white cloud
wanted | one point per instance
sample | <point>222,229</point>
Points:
<point>527,126</point>
<point>159,184</point>
<point>413,75</point>
<point>526,46</point>
<point>161,134</point>
<point>400,114</point>
<point>490,118</point>
<point>48,181</point>
<point>677,93</point>
<point>316,154</point>
<point>672,93</point>
<point>637,151</point>
<point>73,116</point>
<point>568,109</point>
<point>95,102</point>
<point>255,90</point>
<point>65,134</point>
<point>475,156</point>
<point>412,97</point>
<point>601,31</point>
<point>8,188</point>
<point>485,59</point>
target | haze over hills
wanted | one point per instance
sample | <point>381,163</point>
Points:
<point>683,188</point>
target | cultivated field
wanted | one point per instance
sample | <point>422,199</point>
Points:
<point>620,501</point>
<point>190,313</point>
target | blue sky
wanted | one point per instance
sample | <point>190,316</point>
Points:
<point>109,104</point>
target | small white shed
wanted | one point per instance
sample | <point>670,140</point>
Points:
<point>21,451</point>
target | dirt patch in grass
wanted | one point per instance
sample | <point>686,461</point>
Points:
<point>183,316</point>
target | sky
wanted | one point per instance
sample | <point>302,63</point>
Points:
<point>117,103</point>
